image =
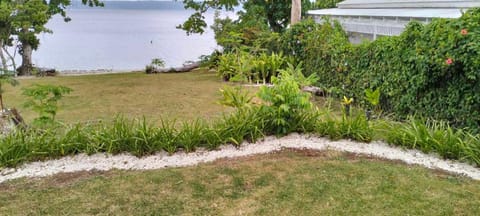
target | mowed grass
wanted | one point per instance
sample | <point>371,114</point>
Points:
<point>181,96</point>
<point>285,183</point>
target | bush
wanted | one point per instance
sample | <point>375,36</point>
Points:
<point>429,70</point>
<point>241,66</point>
<point>288,107</point>
<point>154,66</point>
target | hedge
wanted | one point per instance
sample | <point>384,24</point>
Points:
<point>431,70</point>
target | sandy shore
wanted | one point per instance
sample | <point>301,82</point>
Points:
<point>104,162</point>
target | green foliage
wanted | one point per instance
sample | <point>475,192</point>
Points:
<point>274,14</point>
<point>293,39</point>
<point>235,97</point>
<point>43,99</point>
<point>435,136</point>
<point>156,64</point>
<point>191,135</point>
<point>241,66</point>
<point>210,61</point>
<point>321,4</point>
<point>373,97</point>
<point>300,78</point>
<point>429,70</point>
<point>226,66</point>
<point>354,127</point>
<point>284,109</point>
<point>286,103</point>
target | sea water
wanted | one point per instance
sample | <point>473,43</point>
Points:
<point>121,36</point>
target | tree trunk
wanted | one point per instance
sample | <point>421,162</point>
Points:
<point>2,58</point>
<point>296,13</point>
<point>12,58</point>
<point>27,66</point>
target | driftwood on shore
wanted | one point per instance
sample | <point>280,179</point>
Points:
<point>184,68</point>
<point>314,90</point>
<point>45,72</point>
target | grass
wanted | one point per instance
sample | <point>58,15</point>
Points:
<point>182,96</point>
<point>285,183</point>
<point>282,109</point>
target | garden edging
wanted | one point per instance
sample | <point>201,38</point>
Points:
<point>104,162</point>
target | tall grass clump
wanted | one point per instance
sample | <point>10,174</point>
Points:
<point>435,136</point>
<point>191,134</point>
<point>355,127</point>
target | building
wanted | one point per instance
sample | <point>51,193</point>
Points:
<point>369,19</point>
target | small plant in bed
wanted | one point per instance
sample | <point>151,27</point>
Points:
<point>43,99</point>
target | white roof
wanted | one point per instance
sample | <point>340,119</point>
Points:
<point>371,4</point>
<point>413,13</point>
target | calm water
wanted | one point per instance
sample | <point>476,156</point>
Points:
<point>121,36</point>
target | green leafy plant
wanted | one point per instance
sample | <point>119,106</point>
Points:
<point>355,127</point>
<point>300,78</point>
<point>235,97</point>
<point>285,102</point>
<point>373,97</point>
<point>226,66</point>
<point>43,99</point>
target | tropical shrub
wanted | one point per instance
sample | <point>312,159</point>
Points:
<point>286,103</point>
<point>429,70</point>
<point>43,99</point>
<point>241,66</point>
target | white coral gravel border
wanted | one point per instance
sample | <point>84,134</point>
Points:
<point>104,162</point>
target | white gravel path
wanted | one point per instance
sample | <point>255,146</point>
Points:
<point>104,162</point>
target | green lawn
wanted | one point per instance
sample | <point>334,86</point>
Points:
<point>285,183</point>
<point>179,96</point>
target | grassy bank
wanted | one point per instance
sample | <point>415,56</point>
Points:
<point>183,96</point>
<point>286,183</point>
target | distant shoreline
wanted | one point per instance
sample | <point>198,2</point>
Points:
<point>94,72</point>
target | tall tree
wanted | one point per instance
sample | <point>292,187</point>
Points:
<point>29,18</point>
<point>278,12</point>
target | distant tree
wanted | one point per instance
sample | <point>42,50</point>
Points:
<point>29,20</point>
<point>25,19</point>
